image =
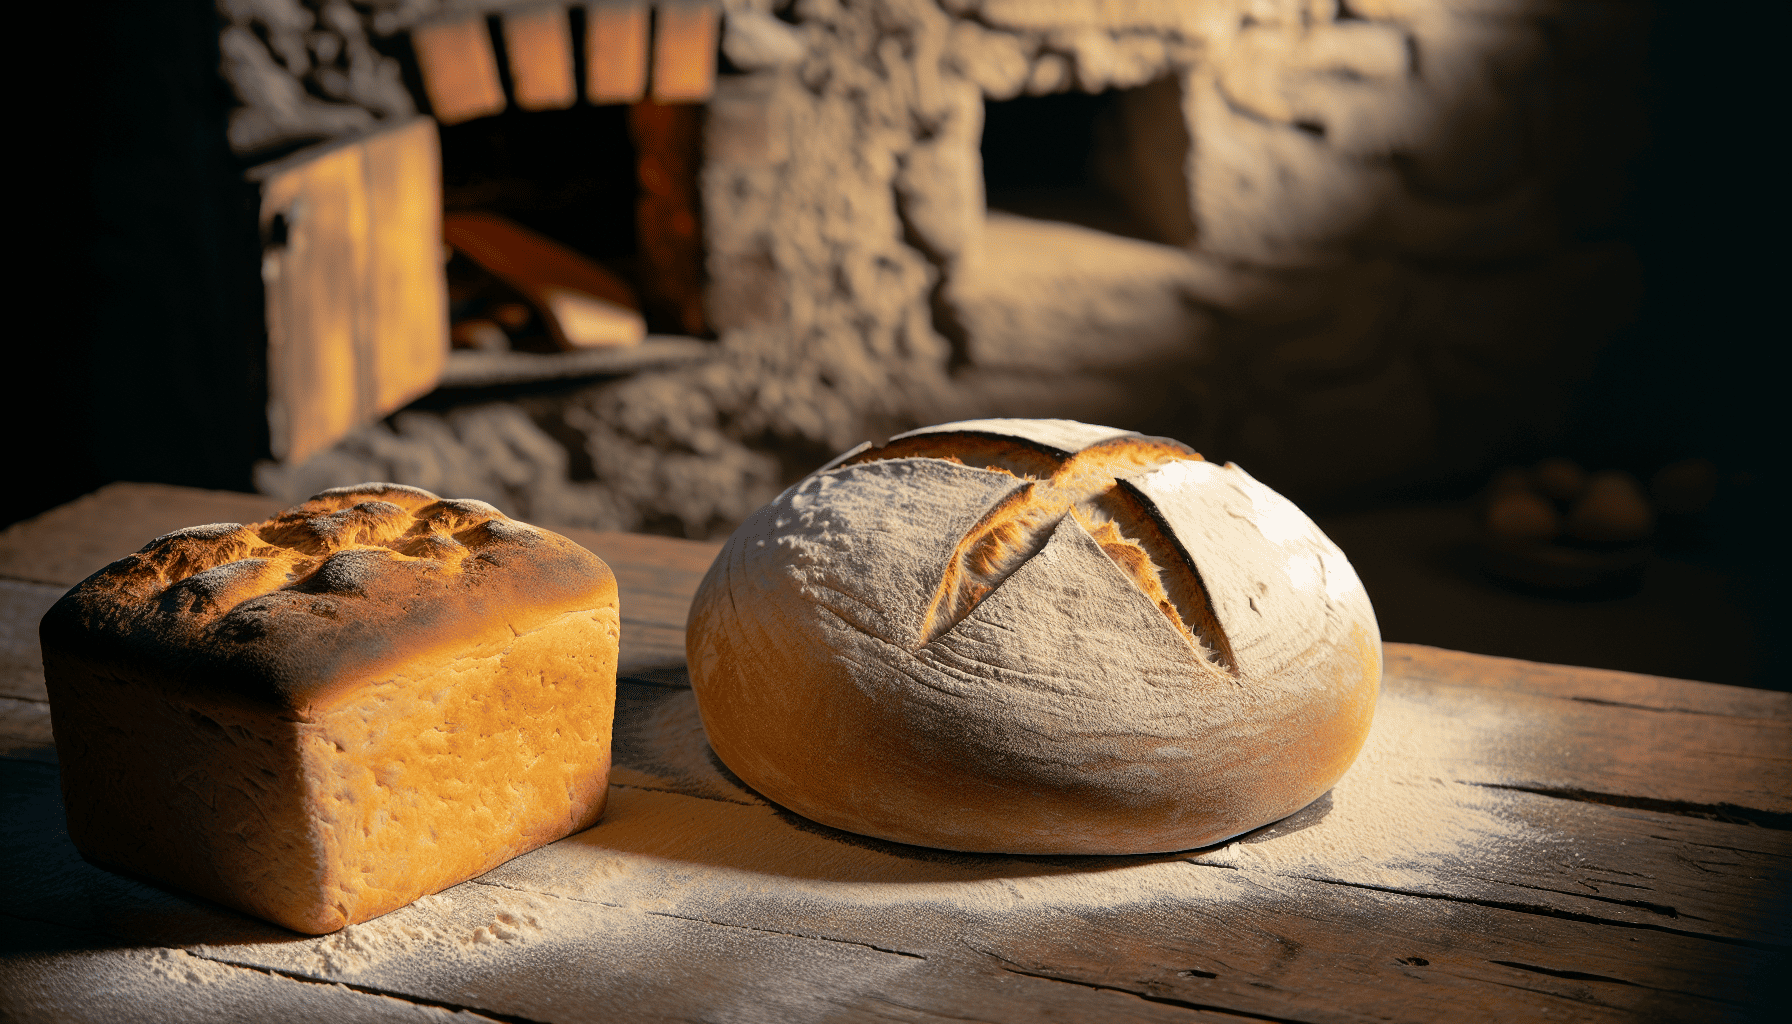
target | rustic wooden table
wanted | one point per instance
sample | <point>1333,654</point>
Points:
<point>1518,841</point>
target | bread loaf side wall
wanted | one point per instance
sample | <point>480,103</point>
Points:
<point>433,776</point>
<point>412,784</point>
<point>204,798</point>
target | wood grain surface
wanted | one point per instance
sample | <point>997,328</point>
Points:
<point>460,71</point>
<point>616,51</point>
<point>538,43</point>
<point>684,50</point>
<point>1517,842</point>
<point>356,312</point>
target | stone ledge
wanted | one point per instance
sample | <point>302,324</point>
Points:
<point>470,369</point>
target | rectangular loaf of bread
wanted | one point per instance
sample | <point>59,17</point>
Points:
<point>319,718</point>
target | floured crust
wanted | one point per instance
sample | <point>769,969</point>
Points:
<point>983,637</point>
<point>321,717</point>
<point>1058,483</point>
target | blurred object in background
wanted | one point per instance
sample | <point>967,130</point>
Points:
<point>1557,529</point>
<point>479,335</point>
<point>1611,510</point>
<point>669,212</point>
<point>1688,613</point>
<point>352,286</point>
<point>1558,478</point>
<point>577,303</point>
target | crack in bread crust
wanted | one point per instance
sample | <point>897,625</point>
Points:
<point>1085,484</point>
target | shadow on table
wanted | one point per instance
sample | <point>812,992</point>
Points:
<point>83,906</point>
<point>673,802</point>
<point>676,801</point>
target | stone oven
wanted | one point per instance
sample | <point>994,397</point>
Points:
<point>1350,244</point>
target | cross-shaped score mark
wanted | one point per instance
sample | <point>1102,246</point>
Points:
<point>1089,486</point>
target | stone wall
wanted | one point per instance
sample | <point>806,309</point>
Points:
<point>1390,260</point>
<point>1396,262</point>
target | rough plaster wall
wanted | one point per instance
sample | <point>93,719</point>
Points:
<point>1418,187</point>
<point>1395,207</point>
<point>1394,271</point>
<point>888,104</point>
<point>493,452</point>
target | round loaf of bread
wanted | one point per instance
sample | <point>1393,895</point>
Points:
<point>1034,636</point>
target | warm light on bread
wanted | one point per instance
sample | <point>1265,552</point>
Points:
<point>1034,636</point>
<point>321,717</point>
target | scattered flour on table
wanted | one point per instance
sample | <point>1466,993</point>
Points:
<point>462,924</point>
<point>694,845</point>
<point>451,927</point>
<point>1400,816</point>
<point>181,968</point>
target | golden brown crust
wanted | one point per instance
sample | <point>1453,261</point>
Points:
<point>287,613</point>
<point>1167,575</point>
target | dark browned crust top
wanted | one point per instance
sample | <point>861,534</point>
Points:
<point>350,586</point>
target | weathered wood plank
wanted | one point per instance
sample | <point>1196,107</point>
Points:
<point>1284,949</point>
<point>582,304</point>
<point>51,973</point>
<point>1392,823</point>
<point>688,557</point>
<point>1492,674</point>
<point>655,609</point>
<point>25,730</point>
<point>469,367</point>
<point>670,588</point>
<point>22,606</point>
<point>356,304</point>
<point>649,646</point>
<point>538,43</point>
<point>1325,919</point>
<point>1617,750</point>
<point>934,934</point>
<point>669,879</point>
<point>616,51</point>
<point>460,72</point>
<point>24,703</point>
<point>315,260</point>
<point>684,51</point>
<point>407,347</point>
